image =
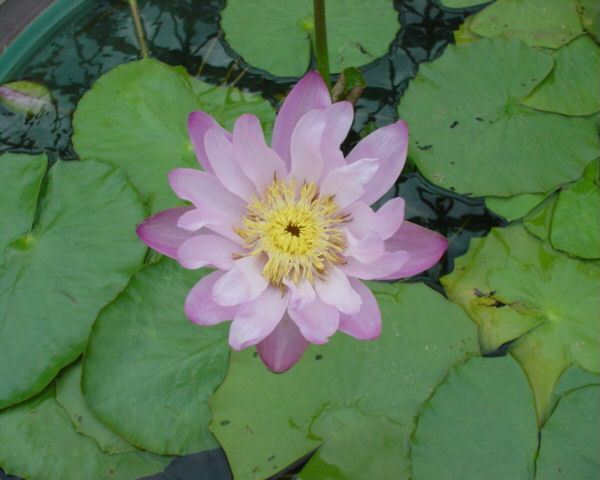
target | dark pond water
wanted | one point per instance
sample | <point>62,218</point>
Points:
<point>187,33</point>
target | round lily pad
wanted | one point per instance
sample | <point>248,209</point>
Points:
<point>148,371</point>
<point>470,133</point>
<point>276,36</point>
<point>355,402</point>
<point>570,440</point>
<point>79,253</point>
<point>135,116</point>
<point>70,397</point>
<point>572,88</point>
<point>516,287</point>
<point>38,441</point>
<point>479,423</point>
<point>538,23</point>
<point>576,221</point>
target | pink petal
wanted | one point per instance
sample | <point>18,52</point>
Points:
<point>255,320</point>
<point>346,183</point>
<point>385,222</point>
<point>380,269</point>
<point>198,124</point>
<point>243,283</point>
<point>302,294</point>
<point>161,233</point>
<point>208,249</point>
<point>200,307</point>
<point>339,120</point>
<point>222,160</point>
<point>366,324</point>
<point>389,145</point>
<point>258,162</point>
<point>316,321</point>
<point>424,247</point>
<point>366,250</point>
<point>307,162</point>
<point>283,347</point>
<point>310,93</point>
<point>196,219</point>
<point>335,290</point>
<point>208,195</point>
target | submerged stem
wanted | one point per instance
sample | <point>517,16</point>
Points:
<point>320,40</point>
<point>139,28</point>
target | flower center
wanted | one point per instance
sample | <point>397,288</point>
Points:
<point>299,231</point>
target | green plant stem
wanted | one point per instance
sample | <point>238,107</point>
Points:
<point>320,40</point>
<point>139,28</point>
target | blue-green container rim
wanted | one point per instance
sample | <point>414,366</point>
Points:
<point>35,34</point>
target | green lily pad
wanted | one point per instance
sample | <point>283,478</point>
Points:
<point>513,208</point>
<point>572,87</point>
<point>571,379</point>
<point>516,287</point>
<point>479,423</point>
<point>38,441</point>
<point>538,23</point>
<point>135,116</point>
<point>470,133</point>
<point>79,253</point>
<point>148,371</point>
<point>570,440</point>
<point>276,36</point>
<point>589,13</point>
<point>539,220</point>
<point>21,178</point>
<point>576,221</point>
<point>355,402</point>
<point>464,34</point>
<point>70,397</point>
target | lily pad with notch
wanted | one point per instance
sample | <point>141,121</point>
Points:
<point>520,290</point>
<point>64,262</point>
<point>353,402</point>
<point>512,149</point>
<point>358,33</point>
<point>135,117</point>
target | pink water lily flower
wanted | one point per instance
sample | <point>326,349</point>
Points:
<point>289,228</point>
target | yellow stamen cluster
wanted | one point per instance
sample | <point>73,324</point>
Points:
<point>298,230</point>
